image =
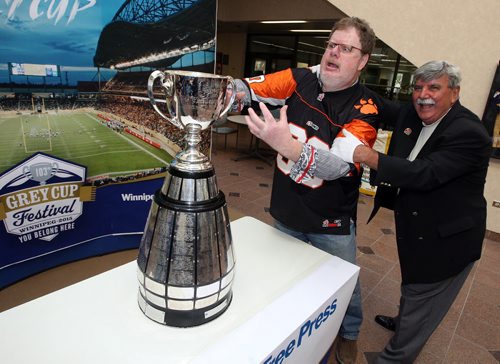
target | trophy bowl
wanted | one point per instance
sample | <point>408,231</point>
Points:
<point>194,101</point>
<point>186,259</point>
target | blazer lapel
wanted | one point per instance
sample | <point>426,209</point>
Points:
<point>408,130</point>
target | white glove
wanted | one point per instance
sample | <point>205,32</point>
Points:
<point>343,147</point>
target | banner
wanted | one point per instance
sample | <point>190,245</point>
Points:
<point>81,149</point>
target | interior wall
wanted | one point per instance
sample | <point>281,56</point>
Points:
<point>257,10</point>
<point>234,46</point>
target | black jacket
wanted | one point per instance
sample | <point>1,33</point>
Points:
<point>438,202</point>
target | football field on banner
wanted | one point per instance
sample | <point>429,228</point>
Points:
<point>78,137</point>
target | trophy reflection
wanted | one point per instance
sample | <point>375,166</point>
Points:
<point>186,260</point>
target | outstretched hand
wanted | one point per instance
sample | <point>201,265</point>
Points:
<point>275,133</point>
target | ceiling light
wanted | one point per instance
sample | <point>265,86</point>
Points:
<point>283,21</point>
<point>311,30</point>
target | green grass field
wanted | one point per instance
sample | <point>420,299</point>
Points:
<point>79,138</point>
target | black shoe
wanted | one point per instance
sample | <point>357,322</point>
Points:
<point>386,322</point>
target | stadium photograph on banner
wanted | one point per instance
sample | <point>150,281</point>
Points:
<point>74,112</point>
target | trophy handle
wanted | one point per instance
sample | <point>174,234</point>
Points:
<point>168,85</point>
<point>233,96</point>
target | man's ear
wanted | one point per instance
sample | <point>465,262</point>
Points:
<point>363,61</point>
<point>455,94</point>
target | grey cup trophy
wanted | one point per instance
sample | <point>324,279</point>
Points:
<point>186,260</point>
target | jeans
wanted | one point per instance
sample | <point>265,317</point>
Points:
<point>344,247</point>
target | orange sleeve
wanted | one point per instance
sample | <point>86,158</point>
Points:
<point>279,85</point>
<point>366,133</point>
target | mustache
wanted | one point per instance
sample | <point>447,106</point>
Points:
<point>425,102</point>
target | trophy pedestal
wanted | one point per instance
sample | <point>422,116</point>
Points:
<point>186,260</point>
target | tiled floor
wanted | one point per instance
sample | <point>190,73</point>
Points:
<point>470,333</point>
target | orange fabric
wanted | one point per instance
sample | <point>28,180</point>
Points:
<point>367,107</point>
<point>279,85</point>
<point>361,130</point>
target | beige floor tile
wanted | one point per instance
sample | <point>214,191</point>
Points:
<point>395,273</point>
<point>482,310</point>
<point>389,290</point>
<point>463,351</point>
<point>485,293</point>
<point>488,277</point>
<point>438,343</point>
<point>489,263</point>
<point>479,332</point>
<point>427,358</point>
<point>375,263</point>
<point>368,280</point>
<point>450,321</point>
<point>385,247</point>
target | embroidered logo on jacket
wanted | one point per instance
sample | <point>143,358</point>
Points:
<point>366,107</point>
<point>334,223</point>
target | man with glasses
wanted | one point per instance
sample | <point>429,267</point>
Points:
<point>433,178</point>
<point>315,194</point>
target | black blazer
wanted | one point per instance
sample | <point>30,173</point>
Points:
<point>438,202</point>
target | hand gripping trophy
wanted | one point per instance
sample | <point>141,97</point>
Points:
<point>186,260</point>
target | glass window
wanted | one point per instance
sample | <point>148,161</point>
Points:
<point>310,49</point>
<point>388,73</point>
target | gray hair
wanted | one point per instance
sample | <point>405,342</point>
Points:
<point>435,69</point>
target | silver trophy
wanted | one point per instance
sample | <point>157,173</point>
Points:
<point>186,260</point>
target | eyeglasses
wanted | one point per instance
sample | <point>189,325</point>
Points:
<point>343,48</point>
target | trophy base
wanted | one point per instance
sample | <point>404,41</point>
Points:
<point>183,318</point>
<point>186,262</point>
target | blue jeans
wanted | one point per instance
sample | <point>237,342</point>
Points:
<point>344,247</point>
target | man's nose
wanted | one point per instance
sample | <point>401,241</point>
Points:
<point>424,92</point>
